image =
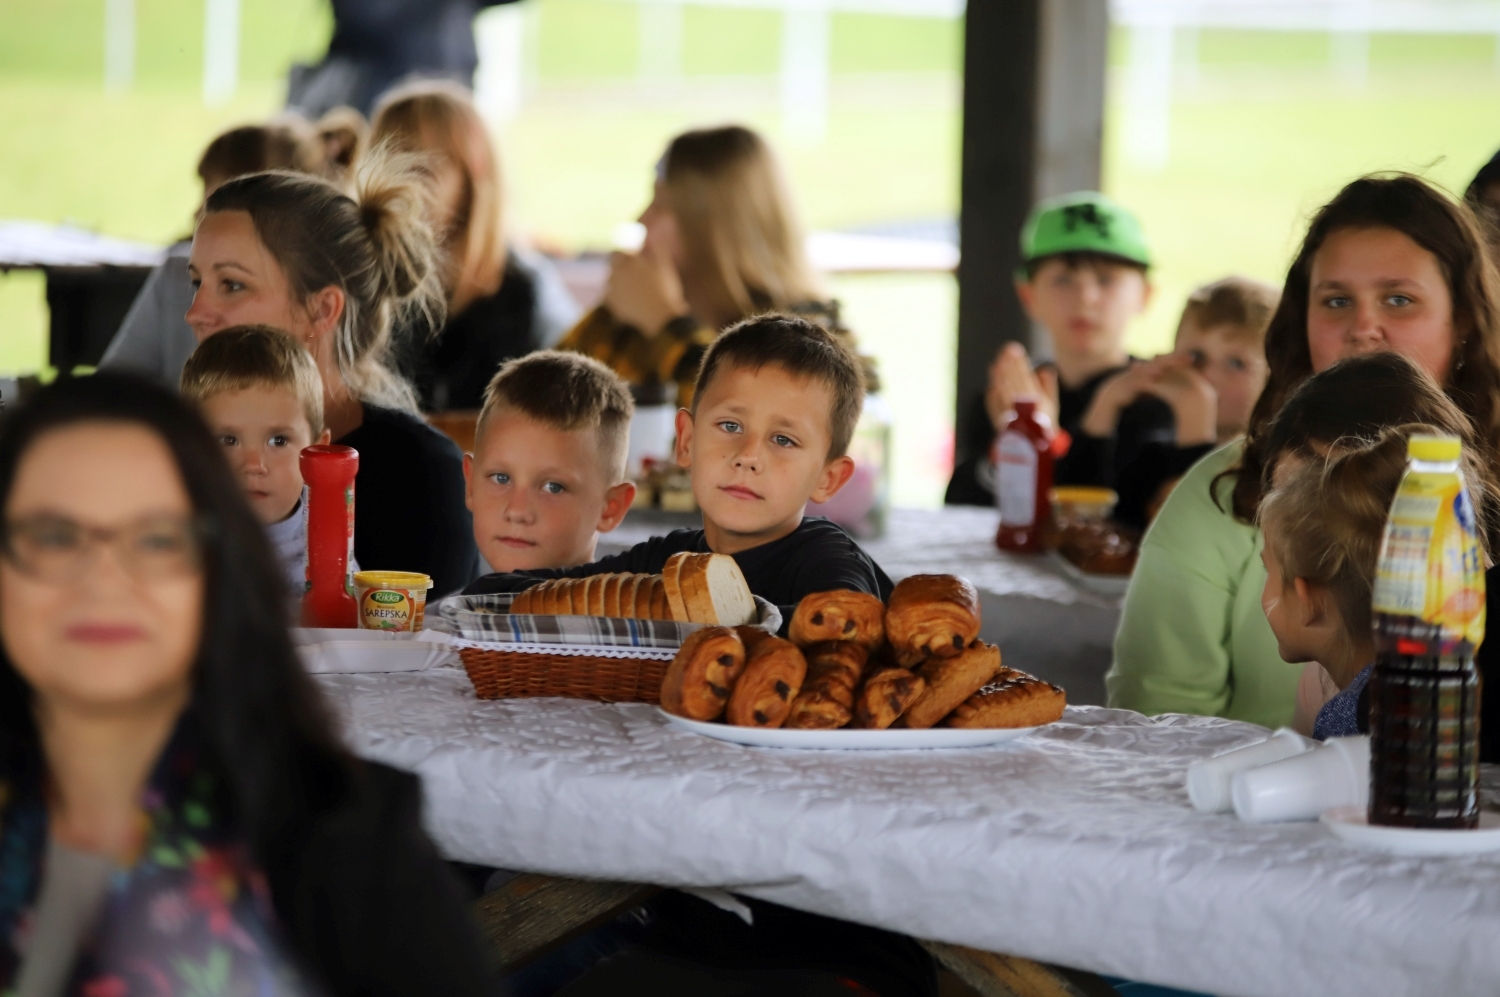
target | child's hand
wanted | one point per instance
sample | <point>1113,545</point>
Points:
<point>1114,395</point>
<point>1194,402</point>
<point>644,290</point>
<point>1012,378</point>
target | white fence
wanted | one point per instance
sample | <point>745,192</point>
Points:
<point>1161,34</point>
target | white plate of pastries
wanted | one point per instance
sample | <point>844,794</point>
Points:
<point>857,673</point>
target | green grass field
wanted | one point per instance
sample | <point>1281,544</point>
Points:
<point>1260,135</point>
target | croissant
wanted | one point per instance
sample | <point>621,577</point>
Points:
<point>935,615</point>
<point>950,681</point>
<point>699,680</point>
<point>1013,699</point>
<point>774,670</point>
<point>826,701</point>
<point>886,695</point>
<point>838,615</point>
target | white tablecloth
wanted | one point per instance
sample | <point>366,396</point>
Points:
<point>1043,622</point>
<point>1074,845</point>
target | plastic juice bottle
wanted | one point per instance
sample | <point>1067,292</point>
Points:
<point>329,472</point>
<point>1022,459</point>
<point>1429,620</point>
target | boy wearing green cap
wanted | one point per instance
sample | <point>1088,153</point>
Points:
<point>1083,280</point>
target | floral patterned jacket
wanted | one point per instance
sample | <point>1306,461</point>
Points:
<point>191,917</point>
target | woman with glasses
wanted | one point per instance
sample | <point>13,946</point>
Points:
<point>176,813</point>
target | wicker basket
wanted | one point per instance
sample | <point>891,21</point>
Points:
<point>513,674</point>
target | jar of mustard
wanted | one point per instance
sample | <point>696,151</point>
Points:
<point>391,600</point>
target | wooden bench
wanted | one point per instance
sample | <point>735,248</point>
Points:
<point>532,915</point>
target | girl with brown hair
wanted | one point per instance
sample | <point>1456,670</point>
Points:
<point>1393,265</point>
<point>503,302</point>
<point>722,243</point>
<point>336,272</point>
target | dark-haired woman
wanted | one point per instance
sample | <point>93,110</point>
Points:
<point>1390,264</point>
<point>335,272</point>
<point>176,815</point>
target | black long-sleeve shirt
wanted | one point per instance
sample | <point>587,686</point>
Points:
<point>409,511</point>
<point>815,557</point>
<point>1091,460</point>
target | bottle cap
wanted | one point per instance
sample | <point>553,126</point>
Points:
<point>1427,446</point>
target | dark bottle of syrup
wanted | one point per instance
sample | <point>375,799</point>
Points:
<point>1429,620</point>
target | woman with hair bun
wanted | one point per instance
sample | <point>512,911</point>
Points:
<point>153,339</point>
<point>335,272</point>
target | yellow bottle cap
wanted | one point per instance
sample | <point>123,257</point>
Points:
<point>1426,446</point>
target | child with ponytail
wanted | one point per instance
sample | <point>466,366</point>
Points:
<point>1323,521</point>
<point>335,272</point>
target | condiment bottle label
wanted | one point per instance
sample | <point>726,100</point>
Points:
<point>1430,563</point>
<point>1015,479</point>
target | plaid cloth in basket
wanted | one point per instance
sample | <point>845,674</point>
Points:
<point>487,619</point>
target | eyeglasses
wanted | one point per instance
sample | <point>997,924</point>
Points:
<point>55,548</point>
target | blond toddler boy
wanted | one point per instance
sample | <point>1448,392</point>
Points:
<point>262,397</point>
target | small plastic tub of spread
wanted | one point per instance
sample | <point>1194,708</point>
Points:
<point>391,600</point>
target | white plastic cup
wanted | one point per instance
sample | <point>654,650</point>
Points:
<point>1305,785</point>
<point>1208,780</point>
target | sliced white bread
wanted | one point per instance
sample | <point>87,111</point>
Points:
<point>671,577</point>
<point>627,595</point>
<point>644,588</point>
<point>661,605</point>
<point>714,591</point>
<point>610,600</point>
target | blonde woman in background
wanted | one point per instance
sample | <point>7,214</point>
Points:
<point>154,339</point>
<point>722,243</point>
<point>503,302</point>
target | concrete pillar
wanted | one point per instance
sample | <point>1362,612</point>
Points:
<point>119,45</point>
<point>221,50</point>
<point>1033,125</point>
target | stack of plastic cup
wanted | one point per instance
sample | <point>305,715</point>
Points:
<point>1305,785</point>
<point>1208,781</point>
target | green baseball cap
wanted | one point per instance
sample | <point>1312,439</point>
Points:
<point>1083,222</point>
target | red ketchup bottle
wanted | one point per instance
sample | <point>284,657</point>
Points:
<point>329,472</point>
<point>1022,458</point>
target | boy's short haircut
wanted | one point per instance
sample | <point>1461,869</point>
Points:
<point>567,391</point>
<point>1240,306</point>
<point>802,349</point>
<point>255,356</point>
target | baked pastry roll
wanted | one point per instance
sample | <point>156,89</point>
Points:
<point>1013,699</point>
<point>931,615</point>
<point>826,701</point>
<point>885,696</point>
<point>838,615</point>
<point>702,675</point>
<point>773,675</point>
<point>950,681</point>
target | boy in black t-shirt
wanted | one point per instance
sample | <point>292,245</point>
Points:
<point>773,411</point>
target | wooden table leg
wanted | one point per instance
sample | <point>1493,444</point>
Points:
<point>532,915</point>
<point>994,975</point>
